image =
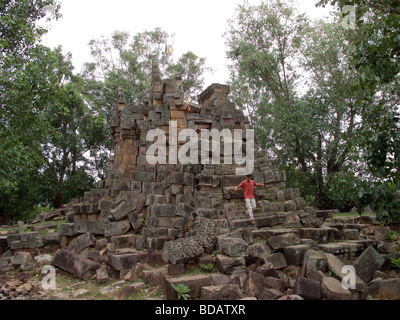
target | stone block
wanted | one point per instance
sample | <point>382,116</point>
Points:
<point>314,260</point>
<point>232,247</point>
<point>230,292</point>
<point>85,240</point>
<point>181,250</point>
<point>129,290</point>
<point>121,261</point>
<point>367,263</point>
<point>102,274</point>
<point>185,211</point>
<point>270,294</point>
<point>219,279</point>
<point>229,265</point>
<point>275,283</point>
<point>193,282</point>
<point>332,289</point>
<point>116,228</point>
<point>67,229</point>
<point>258,252</point>
<point>385,289</point>
<point>295,254</point>
<point>153,199</point>
<point>163,210</point>
<point>124,241</point>
<point>271,220</point>
<point>320,235</point>
<point>335,265</point>
<point>94,227</point>
<point>21,258</point>
<point>307,288</point>
<point>101,244</point>
<point>254,284</point>
<point>79,266</point>
<point>142,176</point>
<point>155,278</point>
<point>175,270</point>
<point>290,205</point>
<point>51,237</point>
<point>93,255</point>
<point>277,260</point>
<point>211,292</point>
<point>279,242</point>
<point>324,214</point>
<point>122,210</point>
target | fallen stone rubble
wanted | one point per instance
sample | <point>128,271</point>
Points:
<point>159,224</point>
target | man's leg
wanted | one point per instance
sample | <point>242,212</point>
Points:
<point>253,203</point>
<point>249,206</point>
<point>253,206</point>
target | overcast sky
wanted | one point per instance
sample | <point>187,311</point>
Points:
<point>198,26</point>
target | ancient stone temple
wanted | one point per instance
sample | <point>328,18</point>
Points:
<point>165,201</point>
<point>182,215</point>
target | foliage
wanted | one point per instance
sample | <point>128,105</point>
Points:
<point>214,253</point>
<point>125,60</point>
<point>192,69</point>
<point>18,29</point>
<point>182,291</point>
<point>396,263</point>
<point>375,54</point>
<point>294,79</point>
<point>393,236</point>
<point>209,267</point>
<point>259,241</point>
<point>46,126</point>
<point>378,42</point>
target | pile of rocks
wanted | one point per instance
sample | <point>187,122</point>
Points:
<point>182,217</point>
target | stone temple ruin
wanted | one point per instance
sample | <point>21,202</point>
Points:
<point>182,216</point>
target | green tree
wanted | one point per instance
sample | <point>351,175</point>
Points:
<point>20,83</point>
<point>122,60</point>
<point>376,55</point>
<point>293,77</point>
<point>192,69</point>
<point>125,60</point>
<point>59,139</point>
<point>22,96</point>
<point>18,29</point>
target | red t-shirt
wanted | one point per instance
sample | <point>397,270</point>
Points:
<point>248,189</point>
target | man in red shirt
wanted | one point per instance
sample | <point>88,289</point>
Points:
<point>248,191</point>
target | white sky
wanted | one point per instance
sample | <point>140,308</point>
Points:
<point>198,26</point>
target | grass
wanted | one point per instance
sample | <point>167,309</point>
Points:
<point>257,240</point>
<point>42,232</point>
<point>351,214</point>
<point>66,284</point>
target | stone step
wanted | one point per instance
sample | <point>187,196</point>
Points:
<point>231,180</point>
<point>238,223</point>
<point>367,219</point>
<point>325,214</point>
<point>3,241</point>
<point>243,213</point>
<point>266,233</point>
<point>260,221</point>
<point>349,249</point>
<point>320,235</point>
<point>343,220</point>
<point>343,225</point>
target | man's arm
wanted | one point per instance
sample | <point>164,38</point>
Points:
<point>259,184</point>
<point>239,187</point>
